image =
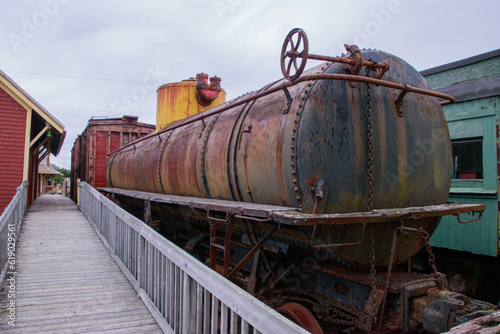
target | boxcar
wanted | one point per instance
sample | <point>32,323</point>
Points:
<point>101,137</point>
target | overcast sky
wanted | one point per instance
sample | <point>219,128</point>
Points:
<point>107,57</point>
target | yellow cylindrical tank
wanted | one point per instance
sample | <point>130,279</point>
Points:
<point>179,100</point>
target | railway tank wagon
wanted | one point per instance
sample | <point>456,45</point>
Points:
<point>350,159</point>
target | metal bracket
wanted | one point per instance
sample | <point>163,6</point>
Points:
<point>314,193</point>
<point>288,101</point>
<point>380,71</point>
<point>356,61</point>
<point>399,100</point>
<point>159,139</point>
<point>248,130</point>
<point>313,236</point>
<point>203,125</point>
<point>469,221</point>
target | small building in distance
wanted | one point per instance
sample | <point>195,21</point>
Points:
<point>28,133</point>
<point>47,172</point>
<point>93,146</point>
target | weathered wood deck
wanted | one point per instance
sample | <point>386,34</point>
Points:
<point>66,281</point>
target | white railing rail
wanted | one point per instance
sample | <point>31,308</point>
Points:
<point>183,294</point>
<point>10,223</point>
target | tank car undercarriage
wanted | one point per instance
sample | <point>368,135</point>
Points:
<point>280,256</point>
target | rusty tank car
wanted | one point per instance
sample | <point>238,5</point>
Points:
<point>310,191</point>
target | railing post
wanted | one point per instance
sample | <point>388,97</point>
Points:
<point>116,227</point>
<point>112,235</point>
<point>78,192</point>
<point>188,320</point>
<point>141,263</point>
<point>100,216</point>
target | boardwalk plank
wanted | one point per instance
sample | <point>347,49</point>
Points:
<point>66,281</point>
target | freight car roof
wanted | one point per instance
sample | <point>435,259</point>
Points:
<point>461,63</point>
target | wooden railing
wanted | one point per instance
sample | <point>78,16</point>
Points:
<point>184,295</point>
<point>10,223</point>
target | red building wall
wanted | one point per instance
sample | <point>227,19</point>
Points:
<point>12,137</point>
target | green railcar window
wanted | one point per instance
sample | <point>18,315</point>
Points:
<point>467,159</point>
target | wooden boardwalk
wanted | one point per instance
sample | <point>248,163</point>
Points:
<point>66,281</point>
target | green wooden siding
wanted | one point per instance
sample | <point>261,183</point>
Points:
<point>477,118</point>
<point>477,237</point>
<point>478,70</point>
<point>474,119</point>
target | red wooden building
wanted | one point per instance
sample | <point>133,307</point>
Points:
<point>92,148</point>
<point>28,133</point>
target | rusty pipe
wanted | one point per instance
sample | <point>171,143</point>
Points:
<point>349,61</point>
<point>206,93</point>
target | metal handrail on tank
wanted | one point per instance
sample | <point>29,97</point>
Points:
<point>355,62</point>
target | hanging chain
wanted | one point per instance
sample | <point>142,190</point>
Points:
<point>432,259</point>
<point>427,238</point>
<point>369,145</point>
<point>342,318</point>
<point>372,256</point>
<point>369,140</point>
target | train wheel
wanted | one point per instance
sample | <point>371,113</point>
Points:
<point>301,316</point>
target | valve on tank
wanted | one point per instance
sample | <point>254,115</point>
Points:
<point>205,93</point>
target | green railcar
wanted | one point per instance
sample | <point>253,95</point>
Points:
<point>470,251</point>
